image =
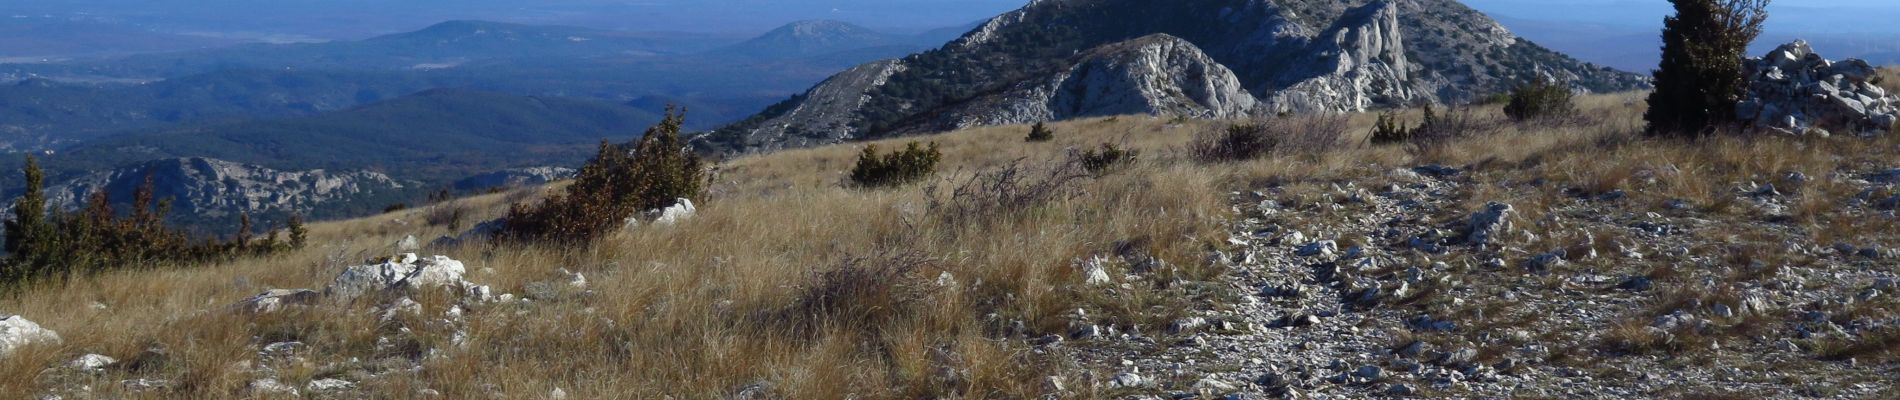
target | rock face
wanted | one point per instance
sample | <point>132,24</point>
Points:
<point>1794,90</point>
<point>1157,74</point>
<point>1356,65</point>
<point>823,115</point>
<point>212,188</point>
<point>1057,59</point>
<point>17,332</point>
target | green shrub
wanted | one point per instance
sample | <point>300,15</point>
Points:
<point>911,164</point>
<point>617,184</point>
<point>1040,133</point>
<point>50,244</point>
<point>1104,159</point>
<point>1541,100</point>
<point>1238,142</point>
<point>1390,130</point>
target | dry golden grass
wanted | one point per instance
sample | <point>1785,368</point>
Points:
<point>711,306</point>
<point>1890,79</point>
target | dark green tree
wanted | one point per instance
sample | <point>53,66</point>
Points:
<point>1700,77</point>
<point>298,234</point>
<point>30,235</point>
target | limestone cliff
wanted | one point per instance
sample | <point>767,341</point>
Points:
<point>1057,59</point>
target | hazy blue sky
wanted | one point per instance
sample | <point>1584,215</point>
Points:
<point>358,18</point>
<point>1823,16</point>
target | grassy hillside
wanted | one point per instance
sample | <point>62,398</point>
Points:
<point>922,285</point>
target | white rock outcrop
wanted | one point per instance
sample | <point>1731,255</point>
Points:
<point>1155,75</point>
<point>1794,90</point>
<point>16,332</point>
<point>679,212</point>
<point>1357,65</point>
<point>277,299</point>
<point>400,273</point>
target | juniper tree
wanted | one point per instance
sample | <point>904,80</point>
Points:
<point>1700,77</point>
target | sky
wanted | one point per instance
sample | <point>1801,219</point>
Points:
<point>350,19</point>
<point>1807,16</point>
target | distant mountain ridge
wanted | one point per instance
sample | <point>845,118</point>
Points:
<point>1289,55</point>
<point>814,38</point>
<point>433,135</point>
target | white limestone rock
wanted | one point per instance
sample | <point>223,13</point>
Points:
<point>1796,91</point>
<point>16,332</point>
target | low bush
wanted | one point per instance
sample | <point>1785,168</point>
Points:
<point>1004,192</point>
<point>897,168</point>
<point>1286,135</point>
<point>1541,100</point>
<point>1104,159</point>
<point>617,184</point>
<point>1040,133</point>
<point>863,294</point>
<point>1390,130</point>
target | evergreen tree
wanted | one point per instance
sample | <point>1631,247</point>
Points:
<point>244,232</point>
<point>298,235</point>
<point>1700,77</point>
<point>29,233</point>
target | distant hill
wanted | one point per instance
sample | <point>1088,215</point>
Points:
<point>59,109</point>
<point>33,39</point>
<point>442,45</point>
<point>809,38</point>
<point>39,113</point>
<point>1060,59</point>
<point>835,40</point>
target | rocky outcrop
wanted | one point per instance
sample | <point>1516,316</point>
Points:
<point>1157,75</point>
<point>823,115</point>
<point>211,188</point>
<point>16,332</point>
<point>513,178</point>
<point>1057,59</point>
<point>1358,64</point>
<point>1794,90</point>
<point>404,272</point>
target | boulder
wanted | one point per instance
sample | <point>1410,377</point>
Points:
<point>404,272</point>
<point>17,332</point>
<point>408,244</point>
<point>1794,90</point>
<point>1487,225</point>
<point>276,299</point>
<point>91,362</point>
<point>679,212</point>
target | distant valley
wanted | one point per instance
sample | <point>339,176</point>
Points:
<point>438,108</point>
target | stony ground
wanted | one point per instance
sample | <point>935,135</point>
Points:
<point>1414,284</point>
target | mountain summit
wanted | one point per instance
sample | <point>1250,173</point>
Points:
<point>810,38</point>
<point>1060,59</point>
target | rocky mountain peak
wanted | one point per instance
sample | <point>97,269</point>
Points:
<point>808,38</point>
<point>1287,55</point>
